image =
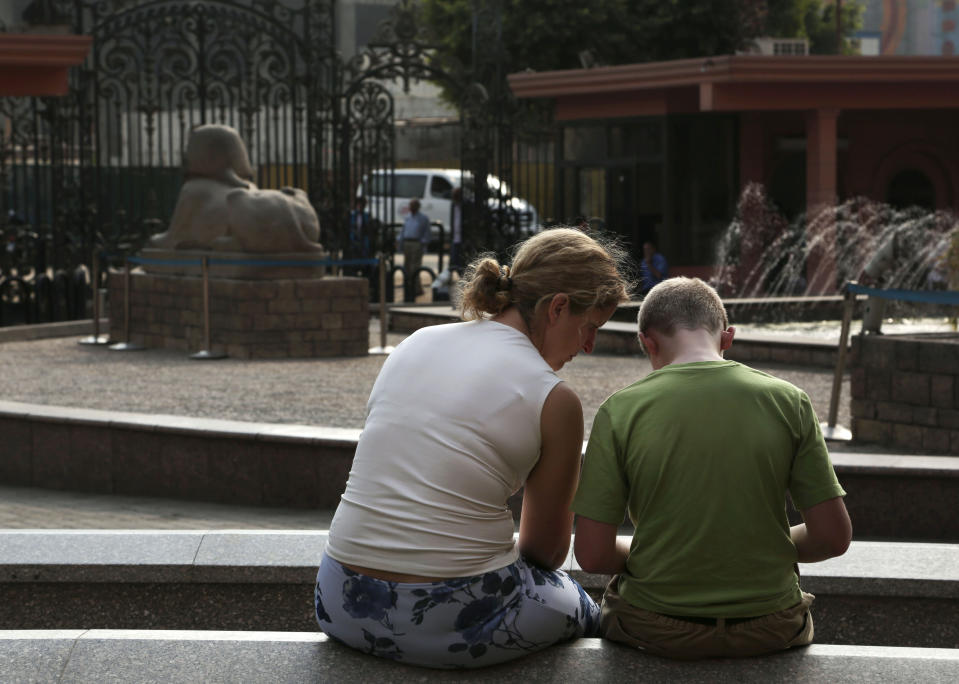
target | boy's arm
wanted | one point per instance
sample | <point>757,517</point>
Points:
<point>597,549</point>
<point>826,532</point>
<point>826,529</point>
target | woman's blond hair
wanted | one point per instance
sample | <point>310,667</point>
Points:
<point>558,260</point>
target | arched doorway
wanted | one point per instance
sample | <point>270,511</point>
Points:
<point>915,174</point>
<point>911,188</point>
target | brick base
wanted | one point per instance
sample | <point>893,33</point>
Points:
<point>905,391</point>
<point>308,317</point>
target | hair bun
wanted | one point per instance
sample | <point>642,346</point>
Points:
<point>505,281</point>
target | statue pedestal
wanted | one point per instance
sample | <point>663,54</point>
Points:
<point>249,318</point>
<point>242,271</point>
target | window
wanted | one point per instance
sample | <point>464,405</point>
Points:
<point>441,188</point>
<point>642,139</point>
<point>404,185</point>
<point>584,142</point>
<point>409,185</point>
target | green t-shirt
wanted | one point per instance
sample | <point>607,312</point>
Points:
<point>700,456</point>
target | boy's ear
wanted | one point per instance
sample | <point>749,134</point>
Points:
<point>726,338</point>
<point>650,344</point>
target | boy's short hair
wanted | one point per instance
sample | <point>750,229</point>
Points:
<point>682,302</point>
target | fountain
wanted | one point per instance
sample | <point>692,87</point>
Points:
<point>762,255</point>
<point>905,387</point>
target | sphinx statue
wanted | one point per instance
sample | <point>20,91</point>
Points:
<point>220,209</point>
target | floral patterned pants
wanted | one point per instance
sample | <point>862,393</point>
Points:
<point>455,623</point>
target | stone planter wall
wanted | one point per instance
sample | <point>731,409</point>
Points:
<point>905,391</point>
<point>308,317</point>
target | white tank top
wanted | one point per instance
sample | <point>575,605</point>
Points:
<point>452,430</point>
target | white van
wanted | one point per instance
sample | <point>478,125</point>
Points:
<point>434,189</point>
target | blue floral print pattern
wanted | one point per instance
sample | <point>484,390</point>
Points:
<point>455,623</point>
<point>366,597</point>
<point>321,614</point>
<point>541,577</point>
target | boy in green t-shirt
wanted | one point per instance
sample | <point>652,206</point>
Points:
<point>700,454</point>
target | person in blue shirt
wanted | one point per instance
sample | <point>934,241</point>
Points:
<point>361,228</point>
<point>653,269</point>
<point>413,240</point>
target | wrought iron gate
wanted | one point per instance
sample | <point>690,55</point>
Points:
<point>100,167</point>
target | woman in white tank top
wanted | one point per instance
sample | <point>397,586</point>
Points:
<point>421,564</point>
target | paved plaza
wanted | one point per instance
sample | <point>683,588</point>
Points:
<point>321,392</point>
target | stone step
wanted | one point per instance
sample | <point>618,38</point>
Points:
<point>900,497</point>
<point>878,593</point>
<point>303,466</point>
<point>215,656</point>
<point>619,337</point>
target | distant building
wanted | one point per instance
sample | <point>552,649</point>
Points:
<point>664,149</point>
<point>912,27</point>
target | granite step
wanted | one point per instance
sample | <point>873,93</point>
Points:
<point>619,337</point>
<point>302,466</point>
<point>878,593</point>
<point>218,656</point>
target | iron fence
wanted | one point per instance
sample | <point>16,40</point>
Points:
<point>100,168</point>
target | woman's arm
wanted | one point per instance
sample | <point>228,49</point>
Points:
<point>547,521</point>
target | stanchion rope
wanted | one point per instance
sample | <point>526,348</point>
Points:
<point>197,261</point>
<point>925,296</point>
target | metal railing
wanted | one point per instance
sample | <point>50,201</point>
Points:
<point>830,428</point>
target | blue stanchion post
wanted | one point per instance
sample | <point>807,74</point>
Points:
<point>383,348</point>
<point>830,429</point>
<point>126,344</point>
<point>207,353</point>
<point>96,337</point>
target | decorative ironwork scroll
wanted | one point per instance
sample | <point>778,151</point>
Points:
<point>100,168</point>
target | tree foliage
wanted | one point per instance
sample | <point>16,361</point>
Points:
<point>479,39</point>
<point>551,34</point>
<point>814,20</point>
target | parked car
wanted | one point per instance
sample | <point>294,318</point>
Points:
<point>434,189</point>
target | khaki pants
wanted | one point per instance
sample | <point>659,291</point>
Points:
<point>675,638</point>
<point>412,260</point>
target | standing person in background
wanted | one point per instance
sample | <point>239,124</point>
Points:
<point>653,269</point>
<point>413,240</point>
<point>360,229</point>
<point>700,454</point>
<point>360,234</point>
<point>421,565</point>
<point>456,231</point>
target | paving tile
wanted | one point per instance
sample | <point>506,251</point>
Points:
<point>318,397</point>
<point>36,656</point>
